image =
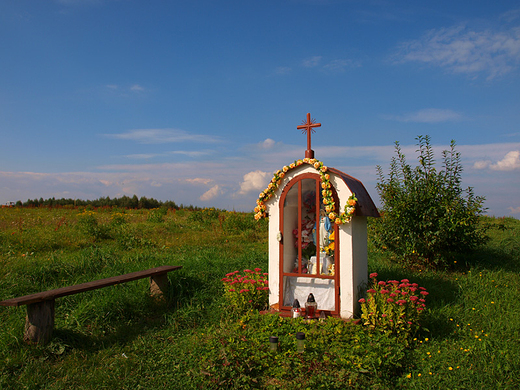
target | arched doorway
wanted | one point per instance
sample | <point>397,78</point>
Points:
<point>309,247</point>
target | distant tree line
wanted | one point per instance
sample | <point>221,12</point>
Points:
<point>123,202</point>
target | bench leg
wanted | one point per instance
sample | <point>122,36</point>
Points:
<point>39,322</point>
<point>159,286</point>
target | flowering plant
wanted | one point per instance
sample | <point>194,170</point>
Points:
<point>393,307</point>
<point>328,200</point>
<point>248,291</point>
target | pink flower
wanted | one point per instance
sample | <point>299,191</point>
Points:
<point>373,275</point>
<point>389,300</point>
<point>383,315</point>
<point>362,300</point>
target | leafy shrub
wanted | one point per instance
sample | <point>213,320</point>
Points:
<point>238,222</point>
<point>157,215</point>
<point>393,307</point>
<point>427,218</point>
<point>90,226</point>
<point>204,216</point>
<point>246,292</point>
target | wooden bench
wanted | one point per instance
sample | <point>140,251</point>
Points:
<point>39,322</point>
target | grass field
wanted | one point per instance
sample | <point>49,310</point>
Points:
<point>117,337</point>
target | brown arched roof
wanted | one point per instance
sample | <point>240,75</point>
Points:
<point>365,206</point>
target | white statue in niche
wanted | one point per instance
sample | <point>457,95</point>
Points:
<point>325,228</point>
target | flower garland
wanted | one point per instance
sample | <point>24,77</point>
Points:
<point>328,200</point>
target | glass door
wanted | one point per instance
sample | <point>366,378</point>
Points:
<point>308,252</point>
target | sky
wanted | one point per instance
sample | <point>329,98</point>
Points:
<point>199,101</point>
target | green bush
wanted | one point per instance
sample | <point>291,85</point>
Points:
<point>157,215</point>
<point>427,218</point>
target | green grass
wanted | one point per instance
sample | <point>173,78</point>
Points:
<point>117,337</point>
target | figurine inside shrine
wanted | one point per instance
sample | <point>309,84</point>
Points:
<point>317,234</point>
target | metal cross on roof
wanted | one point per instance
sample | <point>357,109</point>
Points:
<point>308,127</point>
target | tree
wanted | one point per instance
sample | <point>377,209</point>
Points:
<point>427,218</point>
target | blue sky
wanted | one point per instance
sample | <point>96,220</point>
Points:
<point>198,101</point>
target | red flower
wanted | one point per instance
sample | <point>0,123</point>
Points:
<point>414,298</point>
<point>389,300</point>
<point>371,291</point>
<point>373,275</point>
<point>424,293</point>
<point>401,302</point>
<point>382,283</point>
<point>383,291</point>
<point>405,281</point>
<point>362,300</point>
<point>258,269</point>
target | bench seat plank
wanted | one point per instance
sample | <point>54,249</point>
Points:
<point>63,291</point>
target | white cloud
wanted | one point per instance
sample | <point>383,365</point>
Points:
<point>311,62</point>
<point>136,87</point>
<point>161,136</point>
<point>462,50</point>
<point>283,70</point>
<point>267,144</point>
<point>213,192</point>
<point>515,210</point>
<point>340,65</point>
<point>428,115</point>
<point>199,180</point>
<point>256,180</point>
<point>510,162</point>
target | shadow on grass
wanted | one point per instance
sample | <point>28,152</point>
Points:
<point>495,259</point>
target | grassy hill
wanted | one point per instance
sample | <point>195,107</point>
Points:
<point>117,337</point>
